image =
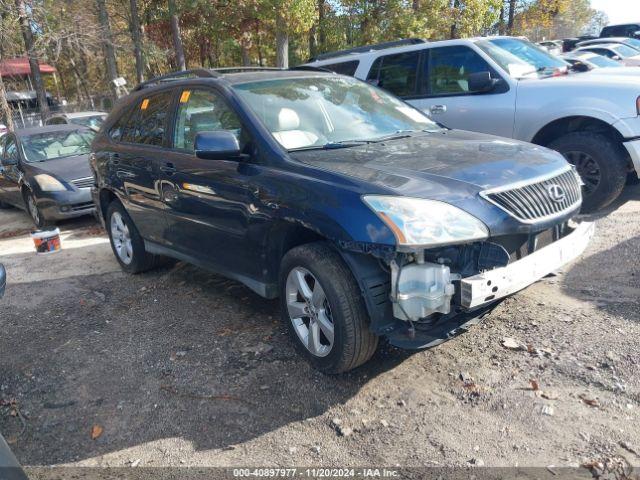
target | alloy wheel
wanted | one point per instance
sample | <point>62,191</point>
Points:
<point>121,238</point>
<point>33,209</point>
<point>587,168</point>
<point>310,312</point>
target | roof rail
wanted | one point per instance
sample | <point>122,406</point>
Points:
<point>311,68</point>
<point>243,69</point>
<point>368,48</point>
<point>196,72</point>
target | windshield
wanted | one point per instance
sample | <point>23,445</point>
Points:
<point>602,61</point>
<point>632,42</point>
<point>522,58</point>
<point>624,51</point>
<point>91,121</point>
<point>319,112</point>
<point>41,147</point>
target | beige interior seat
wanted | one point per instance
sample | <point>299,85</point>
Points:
<point>289,134</point>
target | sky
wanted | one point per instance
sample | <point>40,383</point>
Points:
<point>619,11</point>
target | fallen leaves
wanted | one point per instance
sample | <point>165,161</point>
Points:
<point>96,431</point>
<point>612,467</point>
<point>592,402</point>
<point>514,345</point>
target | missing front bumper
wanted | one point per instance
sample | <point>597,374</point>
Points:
<point>501,282</point>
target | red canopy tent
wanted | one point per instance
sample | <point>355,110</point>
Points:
<point>19,67</point>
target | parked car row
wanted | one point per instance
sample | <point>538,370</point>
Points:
<point>401,203</point>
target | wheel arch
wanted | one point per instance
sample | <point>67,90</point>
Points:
<point>575,123</point>
<point>105,197</point>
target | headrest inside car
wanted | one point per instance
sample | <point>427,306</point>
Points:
<point>288,119</point>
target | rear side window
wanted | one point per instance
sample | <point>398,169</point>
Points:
<point>344,68</point>
<point>396,73</point>
<point>147,124</point>
<point>448,70</point>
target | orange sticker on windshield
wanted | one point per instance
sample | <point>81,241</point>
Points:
<point>184,98</point>
<point>145,104</point>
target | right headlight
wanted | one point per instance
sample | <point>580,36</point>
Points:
<point>426,223</point>
<point>48,183</point>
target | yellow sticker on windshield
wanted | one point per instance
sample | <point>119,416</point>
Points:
<point>184,98</point>
<point>145,104</point>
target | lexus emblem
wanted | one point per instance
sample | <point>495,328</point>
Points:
<point>556,193</point>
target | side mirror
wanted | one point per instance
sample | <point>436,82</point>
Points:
<point>636,34</point>
<point>3,280</point>
<point>219,145</point>
<point>481,82</point>
<point>616,57</point>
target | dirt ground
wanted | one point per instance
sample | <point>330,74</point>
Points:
<point>180,367</point>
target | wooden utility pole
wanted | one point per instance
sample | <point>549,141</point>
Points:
<point>34,66</point>
<point>181,64</point>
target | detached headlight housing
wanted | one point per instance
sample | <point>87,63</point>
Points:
<point>48,183</point>
<point>417,222</point>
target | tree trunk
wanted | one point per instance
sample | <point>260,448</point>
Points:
<point>107,46</point>
<point>313,41</point>
<point>136,37</point>
<point>454,25</point>
<point>177,39</point>
<point>501,21</point>
<point>282,41</point>
<point>512,15</point>
<point>415,6</point>
<point>322,37</point>
<point>34,66</point>
<point>246,58</point>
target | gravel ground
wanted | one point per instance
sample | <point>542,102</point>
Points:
<point>181,367</point>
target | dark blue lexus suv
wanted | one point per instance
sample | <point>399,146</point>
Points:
<point>362,215</point>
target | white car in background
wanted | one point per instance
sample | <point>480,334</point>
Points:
<point>510,87</point>
<point>598,65</point>
<point>620,52</point>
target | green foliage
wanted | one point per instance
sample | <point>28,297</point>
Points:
<point>218,33</point>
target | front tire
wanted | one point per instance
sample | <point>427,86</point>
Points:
<point>34,212</point>
<point>601,163</point>
<point>323,309</point>
<point>126,242</point>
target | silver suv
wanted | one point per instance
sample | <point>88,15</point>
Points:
<point>512,88</point>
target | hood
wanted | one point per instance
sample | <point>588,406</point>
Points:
<point>439,165</point>
<point>67,168</point>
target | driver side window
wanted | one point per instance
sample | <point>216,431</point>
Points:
<point>203,111</point>
<point>448,70</point>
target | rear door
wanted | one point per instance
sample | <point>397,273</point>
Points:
<point>136,158</point>
<point>208,202</point>
<point>10,174</point>
<point>446,98</point>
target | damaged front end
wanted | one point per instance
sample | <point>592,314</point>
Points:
<point>447,271</point>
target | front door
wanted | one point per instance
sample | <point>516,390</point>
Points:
<point>446,98</point>
<point>10,173</point>
<point>208,202</point>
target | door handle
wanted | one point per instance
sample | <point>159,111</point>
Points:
<point>168,168</point>
<point>437,109</point>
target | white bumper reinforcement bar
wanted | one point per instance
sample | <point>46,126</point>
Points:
<point>494,284</point>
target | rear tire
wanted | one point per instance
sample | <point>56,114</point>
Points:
<point>126,242</point>
<point>601,163</point>
<point>336,309</point>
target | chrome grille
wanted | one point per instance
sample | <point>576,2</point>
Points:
<point>541,200</point>
<point>86,182</point>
